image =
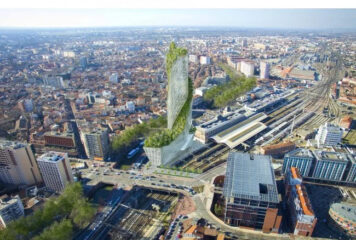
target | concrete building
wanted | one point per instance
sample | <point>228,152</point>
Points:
<point>301,214</point>
<point>96,143</point>
<point>11,208</point>
<point>250,191</point>
<point>55,169</point>
<point>300,158</point>
<point>264,70</point>
<point>54,81</point>
<point>328,135</point>
<point>204,60</point>
<point>17,164</point>
<point>247,68</point>
<point>343,219</point>
<point>114,78</point>
<point>330,165</point>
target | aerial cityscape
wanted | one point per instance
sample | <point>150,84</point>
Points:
<point>190,131</point>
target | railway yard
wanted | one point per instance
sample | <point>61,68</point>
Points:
<point>141,215</point>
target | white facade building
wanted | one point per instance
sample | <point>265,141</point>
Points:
<point>247,68</point>
<point>193,58</point>
<point>204,60</point>
<point>56,170</point>
<point>17,164</point>
<point>264,70</point>
<point>11,208</point>
<point>328,135</point>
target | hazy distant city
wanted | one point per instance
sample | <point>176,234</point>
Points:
<point>177,133</point>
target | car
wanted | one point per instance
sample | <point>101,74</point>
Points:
<point>153,183</point>
<point>161,181</point>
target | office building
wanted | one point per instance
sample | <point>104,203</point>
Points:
<point>17,164</point>
<point>114,78</point>
<point>247,68</point>
<point>55,169</point>
<point>343,219</point>
<point>301,214</point>
<point>11,208</point>
<point>328,135</point>
<point>300,158</point>
<point>130,106</point>
<point>204,60</point>
<point>330,165</point>
<point>250,191</point>
<point>351,171</point>
<point>264,70</point>
<point>96,143</point>
<point>54,81</point>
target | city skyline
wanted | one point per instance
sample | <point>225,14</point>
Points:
<point>292,19</point>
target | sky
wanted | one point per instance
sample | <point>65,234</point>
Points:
<point>245,18</point>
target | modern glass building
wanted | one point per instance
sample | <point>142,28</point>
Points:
<point>330,165</point>
<point>250,191</point>
<point>300,158</point>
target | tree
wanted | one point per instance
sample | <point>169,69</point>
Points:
<point>57,231</point>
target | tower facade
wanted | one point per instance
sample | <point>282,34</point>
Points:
<point>166,145</point>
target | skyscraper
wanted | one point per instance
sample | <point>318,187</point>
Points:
<point>166,145</point>
<point>17,164</point>
<point>56,170</point>
<point>264,70</point>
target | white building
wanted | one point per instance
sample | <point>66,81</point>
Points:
<point>130,106</point>
<point>264,70</point>
<point>204,60</point>
<point>17,164</point>
<point>114,78</point>
<point>193,58</point>
<point>11,208</point>
<point>55,169</point>
<point>247,68</point>
<point>328,135</point>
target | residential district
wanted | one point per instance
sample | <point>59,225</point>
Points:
<point>177,133</point>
